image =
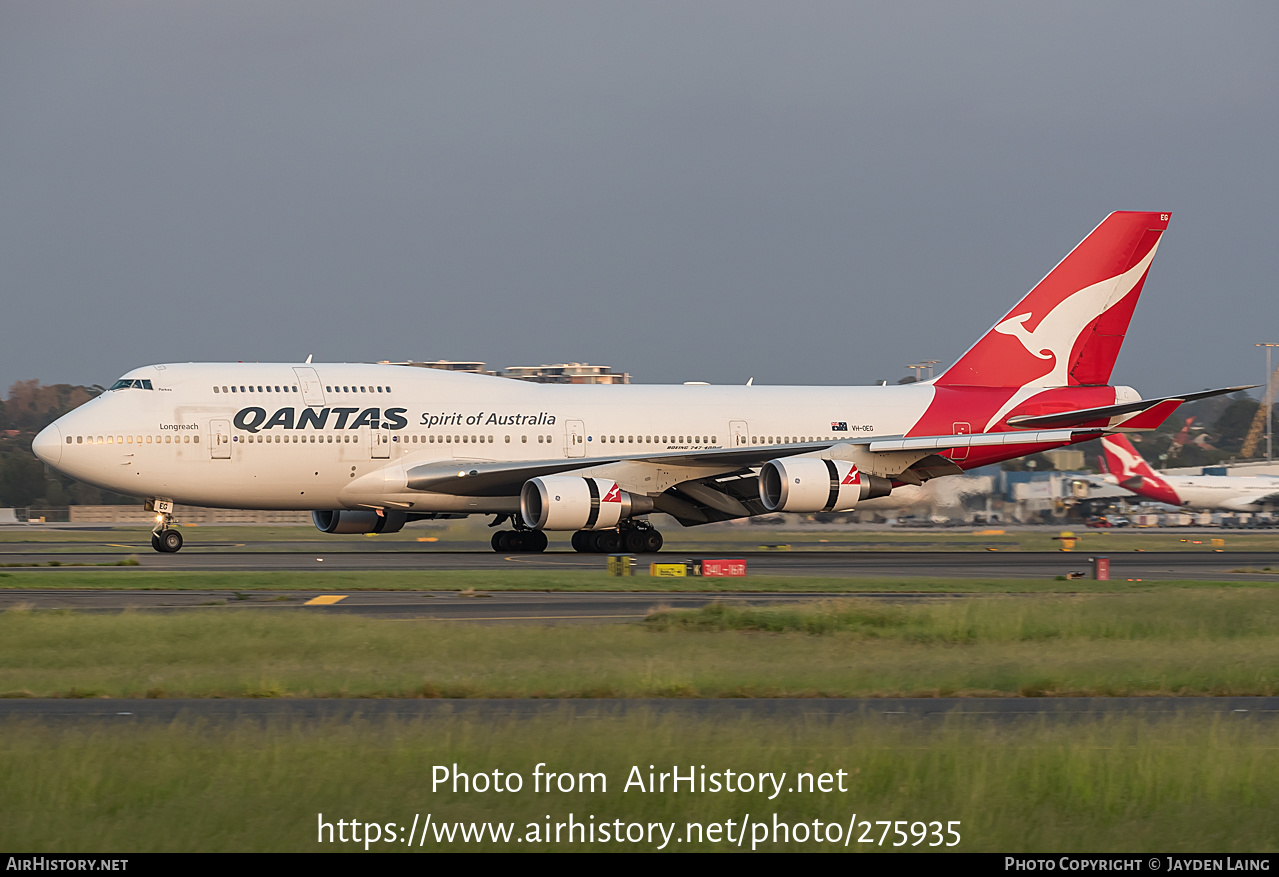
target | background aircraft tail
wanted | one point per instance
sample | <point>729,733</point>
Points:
<point>1122,459</point>
<point>1067,331</point>
<point>1133,472</point>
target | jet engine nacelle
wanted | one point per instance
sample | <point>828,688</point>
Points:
<point>566,502</point>
<point>810,484</point>
<point>358,521</point>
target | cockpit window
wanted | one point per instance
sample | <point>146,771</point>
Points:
<point>131,383</point>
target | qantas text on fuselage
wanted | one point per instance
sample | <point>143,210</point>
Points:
<point>369,447</point>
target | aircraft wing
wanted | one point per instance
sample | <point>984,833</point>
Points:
<point>1270,499</point>
<point>1146,414</point>
<point>476,478</point>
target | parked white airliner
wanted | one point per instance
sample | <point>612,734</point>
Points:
<point>369,447</point>
<point>1124,465</point>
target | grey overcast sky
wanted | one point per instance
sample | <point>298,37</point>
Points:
<point>801,192</point>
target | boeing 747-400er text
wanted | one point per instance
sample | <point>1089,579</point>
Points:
<point>1124,465</point>
<point>368,447</point>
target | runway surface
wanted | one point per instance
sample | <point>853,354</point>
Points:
<point>969,564</point>
<point>1001,709</point>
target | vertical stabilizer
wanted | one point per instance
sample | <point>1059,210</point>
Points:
<point>1133,472</point>
<point>1067,331</point>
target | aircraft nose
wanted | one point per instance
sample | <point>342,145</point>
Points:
<point>47,445</point>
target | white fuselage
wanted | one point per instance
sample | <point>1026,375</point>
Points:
<point>1213,492</point>
<point>1223,492</point>
<point>324,436</point>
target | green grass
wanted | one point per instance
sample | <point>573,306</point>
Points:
<point>1185,617</point>
<point>1180,642</point>
<point>1134,785</point>
<point>116,577</point>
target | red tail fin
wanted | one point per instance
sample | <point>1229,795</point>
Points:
<point>1134,473</point>
<point>1067,331</point>
<point>1122,459</point>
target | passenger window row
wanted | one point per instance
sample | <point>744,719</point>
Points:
<point>348,438</point>
<point>656,439</point>
<point>277,388</point>
<point>269,388</point>
<point>344,439</point>
<point>786,440</point>
<point>432,439</point>
<point>450,439</point>
<point>129,439</point>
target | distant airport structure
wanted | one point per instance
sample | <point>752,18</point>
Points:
<point>560,373</point>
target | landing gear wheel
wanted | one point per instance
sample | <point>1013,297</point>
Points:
<point>650,542</point>
<point>169,541</point>
<point>519,540</point>
<point>582,541</point>
<point>641,539</point>
<point>607,542</point>
<point>155,543</point>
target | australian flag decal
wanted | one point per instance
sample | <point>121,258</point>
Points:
<point>839,426</point>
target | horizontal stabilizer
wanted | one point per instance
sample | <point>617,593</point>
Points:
<point>1160,408</point>
<point>983,440</point>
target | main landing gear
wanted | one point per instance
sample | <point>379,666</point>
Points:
<point>164,538</point>
<point>531,541</point>
<point>635,537</point>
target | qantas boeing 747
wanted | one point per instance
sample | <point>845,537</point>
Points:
<point>367,448</point>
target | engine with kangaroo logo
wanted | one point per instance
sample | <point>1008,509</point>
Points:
<point>565,502</point>
<point>809,484</point>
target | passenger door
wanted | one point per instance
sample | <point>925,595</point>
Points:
<point>380,444</point>
<point>220,439</point>
<point>309,384</point>
<point>737,429</point>
<point>576,439</point>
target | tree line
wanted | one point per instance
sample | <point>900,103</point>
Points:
<point>25,482</point>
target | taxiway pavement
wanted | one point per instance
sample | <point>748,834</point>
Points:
<point>899,709</point>
<point>1206,564</point>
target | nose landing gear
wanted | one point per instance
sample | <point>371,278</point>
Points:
<point>164,538</point>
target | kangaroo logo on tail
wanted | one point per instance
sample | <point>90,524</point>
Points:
<point>1057,333</point>
<point>1133,472</point>
<point>1069,328</point>
<point>1065,333</point>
